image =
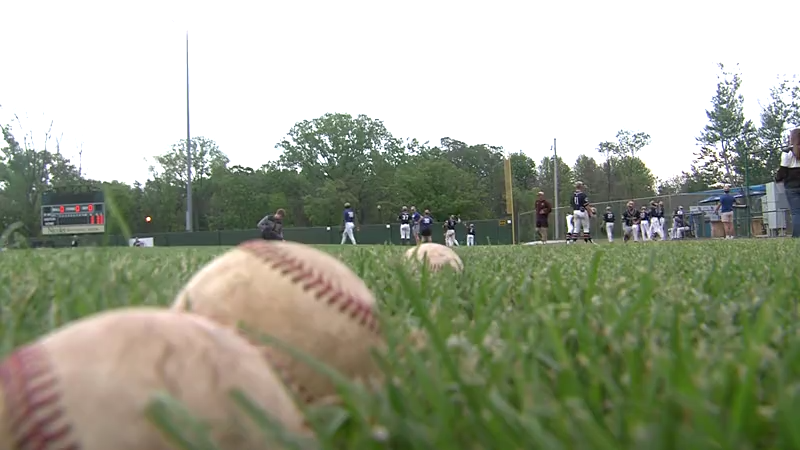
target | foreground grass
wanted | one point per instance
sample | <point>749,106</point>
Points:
<point>660,346</point>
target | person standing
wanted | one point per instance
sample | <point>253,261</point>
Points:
<point>678,223</point>
<point>426,227</point>
<point>789,175</point>
<point>450,231</point>
<point>271,226</point>
<point>725,211</point>
<point>415,219</point>
<point>405,226</point>
<point>349,224</point>
<point>644,223</point>
<point>470,235</point>
<point>580,214</point>
<point>609,219</point>
<point>657,224</point>
<point>543,209</point>
<point>630,223</point>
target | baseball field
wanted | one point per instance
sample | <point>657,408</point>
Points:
<point>674,345</point>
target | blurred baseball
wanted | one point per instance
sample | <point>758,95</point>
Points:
<point>88,385</point>
<point>304,297</point>
<point>438,256</point>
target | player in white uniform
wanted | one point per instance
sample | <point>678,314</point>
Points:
<point>609,219</point>
<point>644,223</point>
<point>405,226</point>
<point>581,212</point>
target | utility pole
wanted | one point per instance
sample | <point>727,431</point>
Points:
<point>189,217</point>
<point>555,188</point>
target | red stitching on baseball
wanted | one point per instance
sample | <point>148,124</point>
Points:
<point>33,407</point>
<point>312,281</point>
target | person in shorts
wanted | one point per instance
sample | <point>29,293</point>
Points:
<point>725,210</point>
<point>426,227</point>
<point>543,209</point>
<point>415,219</point>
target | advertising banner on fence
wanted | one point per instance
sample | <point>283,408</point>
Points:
<point>141,242</point>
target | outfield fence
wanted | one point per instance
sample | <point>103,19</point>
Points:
<point>749,221</point>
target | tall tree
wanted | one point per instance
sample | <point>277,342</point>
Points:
<point>592,175</point>
<point>728,138</point>
<point>780,115</point>
<point>27,169</point>
<point>566,180</point>
<point>351,151</point>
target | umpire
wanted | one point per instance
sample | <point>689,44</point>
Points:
<point>271,226</point>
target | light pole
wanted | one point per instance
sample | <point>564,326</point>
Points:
<point>189,218</point>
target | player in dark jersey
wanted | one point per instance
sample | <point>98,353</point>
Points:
<point>348,224</point>
<point>416,217</point>
<point>609,219</point>
<point>405,226</point>
<point>630,223</point>
<point>644,223</point>
<point>657,219</point>
<point>580,214</point>
<point>426,227</point>
<point>470,235</point>
<point>450,231</point>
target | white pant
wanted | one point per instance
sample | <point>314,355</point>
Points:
<point>348,232</point>
<point>632,231</point>
<point>449,237</point>
<point>645,227</point>
<point>470,240</point>
<point>610,231</point>
<point>405,231</point>
<point>657,228</point>
<point>570,224</point>
<point>580,221</point>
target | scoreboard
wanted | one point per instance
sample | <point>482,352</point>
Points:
<point>73,213</point>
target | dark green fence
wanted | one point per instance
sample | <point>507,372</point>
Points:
<point>492,232</point>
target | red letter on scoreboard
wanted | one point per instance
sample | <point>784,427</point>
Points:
<point>77,208</point>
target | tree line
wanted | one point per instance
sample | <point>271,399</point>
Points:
<point>339,158</point>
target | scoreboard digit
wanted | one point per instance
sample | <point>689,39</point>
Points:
<point>73,213</point>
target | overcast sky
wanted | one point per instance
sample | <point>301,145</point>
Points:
<point>504,73</point>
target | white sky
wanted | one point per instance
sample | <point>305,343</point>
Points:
<point>503,73</point>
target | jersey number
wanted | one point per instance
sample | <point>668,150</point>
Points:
<point>576,200</point>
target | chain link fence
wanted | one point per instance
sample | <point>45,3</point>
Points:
<point>703,221</point>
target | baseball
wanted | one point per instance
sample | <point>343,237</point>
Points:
<point>304,297</point>
<point>438,256</point>
<point>88,385</point>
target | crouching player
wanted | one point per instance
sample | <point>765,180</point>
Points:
<point>630,223</point>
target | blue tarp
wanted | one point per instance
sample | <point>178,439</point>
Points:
<point>738,192</point>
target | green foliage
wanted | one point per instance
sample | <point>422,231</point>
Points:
<point>685,345</point>
<point>338,158</point>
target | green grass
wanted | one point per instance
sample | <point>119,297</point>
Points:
<point>653,346</point>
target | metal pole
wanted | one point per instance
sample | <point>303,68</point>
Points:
<point>555,188</point>
<point>189,217</point>
<point>747,189</point>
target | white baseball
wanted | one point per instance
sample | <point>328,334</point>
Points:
<point>87,385</point>
<point>304,297</point>
<point>437,256</point>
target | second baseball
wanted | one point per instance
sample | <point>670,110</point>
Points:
<point>437,256</point>
<point>302,296</point>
